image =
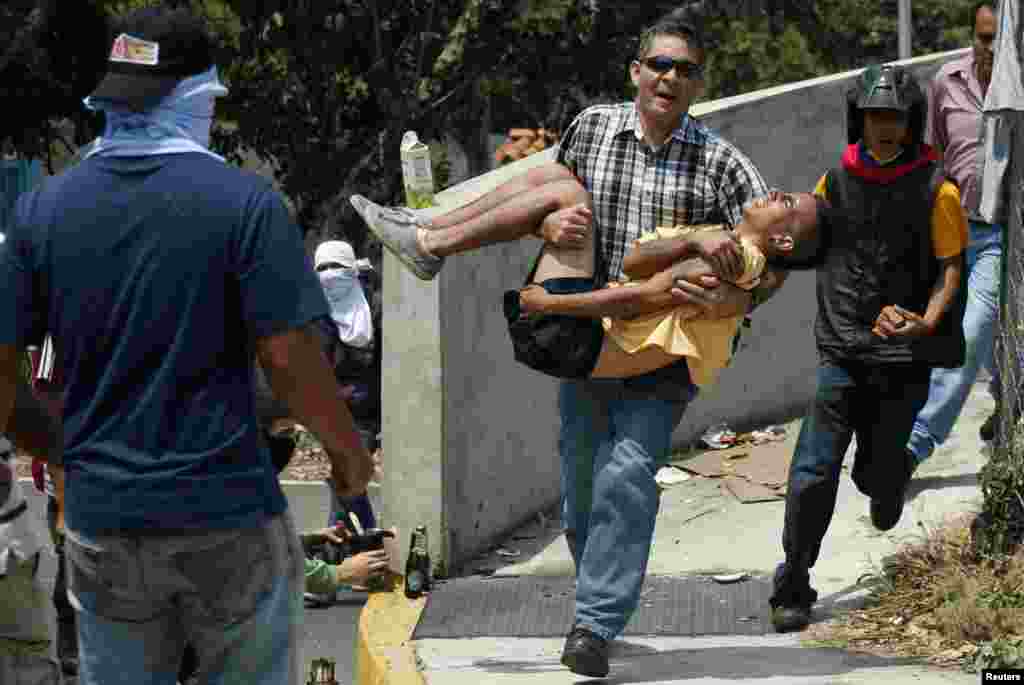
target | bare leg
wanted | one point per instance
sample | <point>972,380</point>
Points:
<point>521,215</point>
<point>422,251</point>
<point>534,178</point>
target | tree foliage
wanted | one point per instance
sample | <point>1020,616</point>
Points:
<point>322,90</point>
<point>54,55</point>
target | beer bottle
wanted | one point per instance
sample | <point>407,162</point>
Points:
<point>321,672</point>
<point>417,564</point>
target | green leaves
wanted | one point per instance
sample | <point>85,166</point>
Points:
<point>1002,653</point>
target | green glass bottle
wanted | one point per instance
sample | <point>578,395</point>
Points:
<point>417,564</point>
<point>321,672</point>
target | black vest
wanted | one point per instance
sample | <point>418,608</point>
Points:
<point>880,253</point>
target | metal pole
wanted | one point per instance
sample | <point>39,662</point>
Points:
<point>904,29</point>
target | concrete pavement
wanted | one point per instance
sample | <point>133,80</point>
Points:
<point>703,529</point>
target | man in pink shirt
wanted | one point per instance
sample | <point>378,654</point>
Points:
<point>956,98</point>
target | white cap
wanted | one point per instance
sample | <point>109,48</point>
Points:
<point>337,251</point>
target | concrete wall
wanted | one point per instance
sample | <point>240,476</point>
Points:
<point>470,437</point>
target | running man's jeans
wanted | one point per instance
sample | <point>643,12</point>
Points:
<point>877,402</point>
<point>614,437</point>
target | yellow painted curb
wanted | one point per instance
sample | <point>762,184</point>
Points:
<point>384,652</point>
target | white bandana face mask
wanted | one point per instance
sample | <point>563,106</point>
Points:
<point>349,308</point>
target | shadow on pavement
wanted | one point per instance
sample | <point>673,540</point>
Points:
<point>919,485</point>
<point>632,663</point>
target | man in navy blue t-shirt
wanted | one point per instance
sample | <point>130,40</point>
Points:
<point>163,272</point>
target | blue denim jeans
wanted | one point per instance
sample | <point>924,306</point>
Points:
<point>236,595</point>
<point>878,404</point>
<point>615,434</point>
<point>950,387</point>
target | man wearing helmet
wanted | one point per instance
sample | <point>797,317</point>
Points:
<point>889,276</point>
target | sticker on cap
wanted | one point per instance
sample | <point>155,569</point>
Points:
<point>132,50</point>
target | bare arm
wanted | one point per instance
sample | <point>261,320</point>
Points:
<point>32,427</point>
<point>946,287</point>
<point>627,302</point>
<point>9,355</point>
<point>723,300</point>
<point>895,321</point>
<point>646,259</point>
<point>720,248</point>
<point>298,373</point>
<point>23,419</point>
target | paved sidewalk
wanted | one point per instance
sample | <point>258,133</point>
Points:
<point>702,529</point>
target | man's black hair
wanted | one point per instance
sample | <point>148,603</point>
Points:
<point>811,244</point>
<point>991,4</point>
<point>682,23</point>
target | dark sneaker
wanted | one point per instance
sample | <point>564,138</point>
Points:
<point>397,227</point>
<point>987,432</point>
<point>788,619</point>
<point>887,510</point>
<point>586,653</point>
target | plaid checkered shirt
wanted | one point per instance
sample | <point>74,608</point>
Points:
<point>696,177</point>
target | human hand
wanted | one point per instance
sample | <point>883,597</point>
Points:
<point>721,250</point>
<point>897,322</point>
<point>337,535</point>
<point>358,570</point>
<point>532,299</point>
<point>567,227</point>
<point>717,299</point>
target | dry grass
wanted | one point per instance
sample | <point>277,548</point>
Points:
<point>936,599</point>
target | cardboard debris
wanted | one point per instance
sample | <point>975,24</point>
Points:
<point>712,463</point>
<point>768,464</point>
<point>747,492</point>
<point>752,473</point>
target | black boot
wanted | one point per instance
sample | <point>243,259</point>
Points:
<point>887,509</point>
<point>988,429</point>
<point>791,600</point>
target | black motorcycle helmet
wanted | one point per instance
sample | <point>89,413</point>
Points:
<point>885,87</point>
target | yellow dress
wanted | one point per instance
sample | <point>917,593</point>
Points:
<point>706,343</point>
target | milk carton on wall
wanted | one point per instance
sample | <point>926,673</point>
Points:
<point>417,175</point>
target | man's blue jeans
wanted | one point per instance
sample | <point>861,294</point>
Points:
<point>950,387</point>
<point>236,595</point>
<point>615,435</point>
